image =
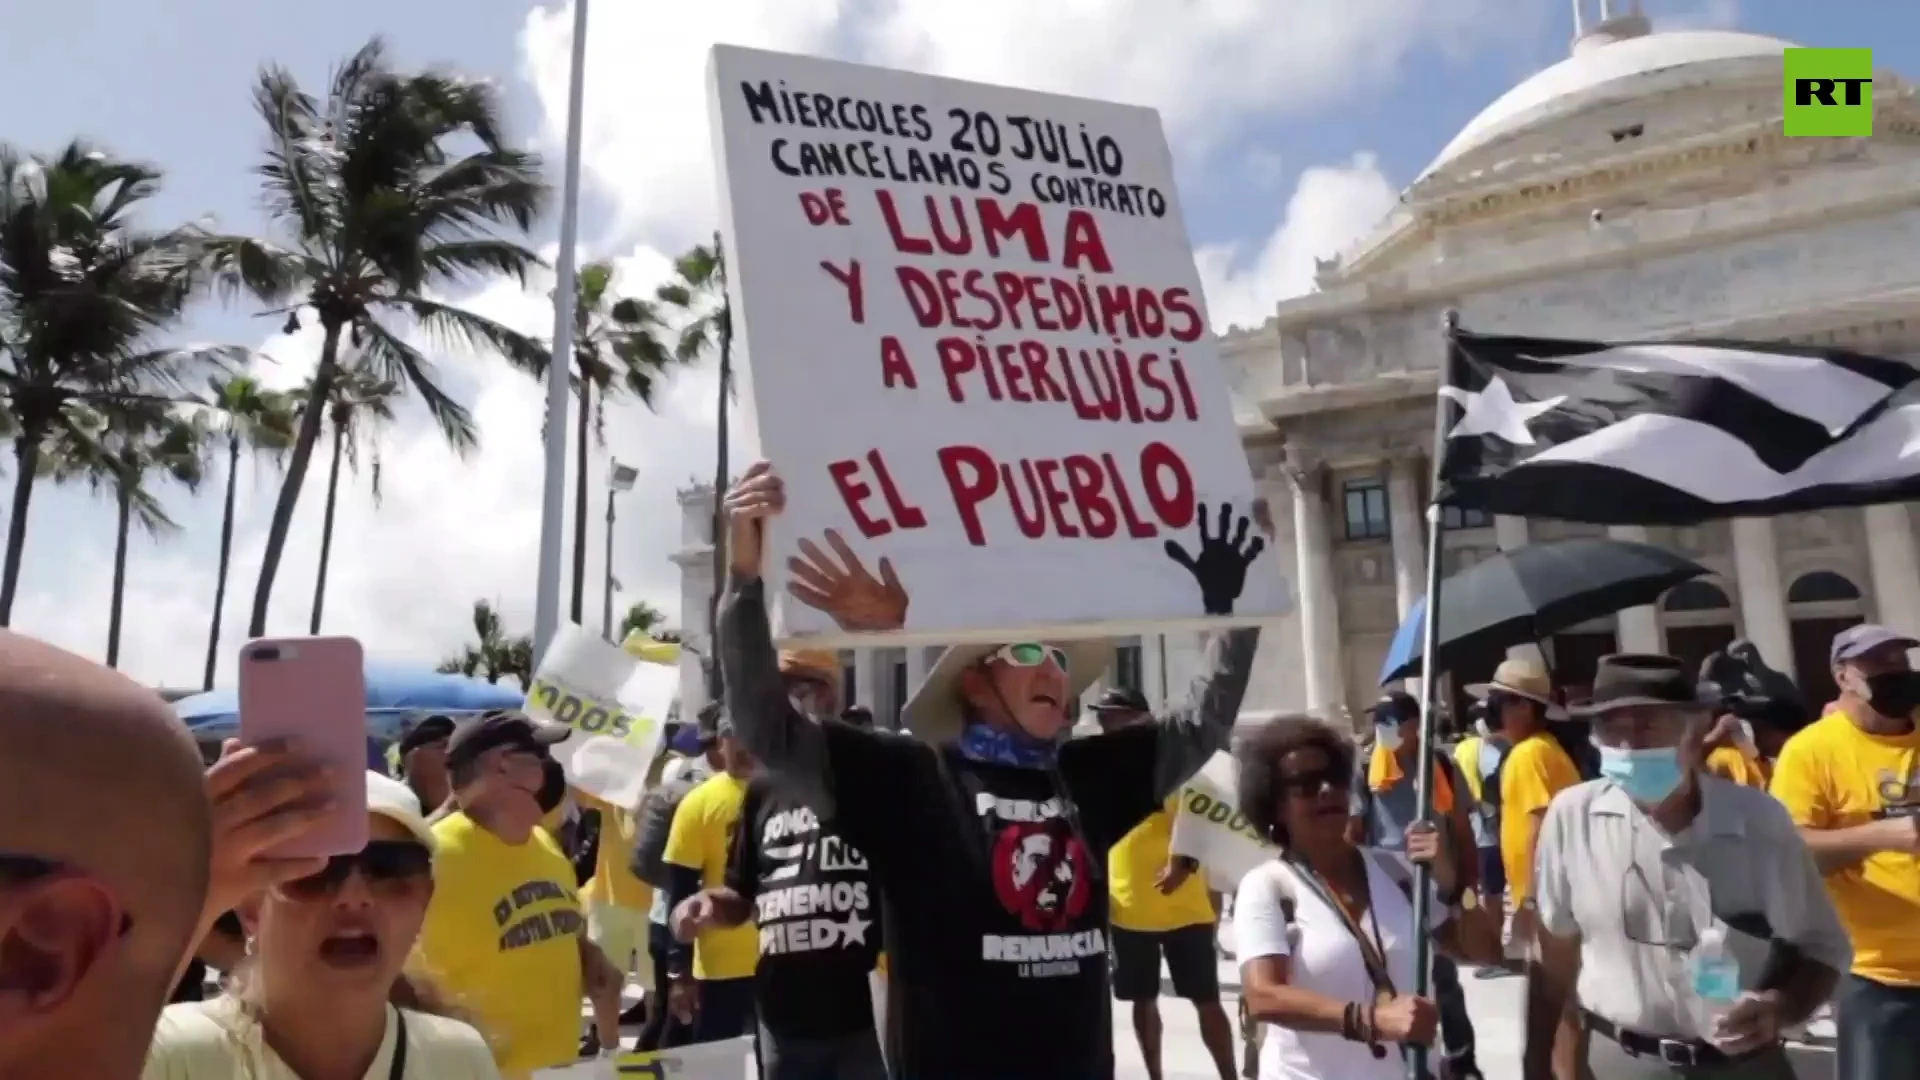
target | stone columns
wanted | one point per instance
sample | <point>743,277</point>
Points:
<point>1511,534</point>
<point>1408,525</point>
<point>1320,643</point>
<point>1763,598</point>
<point>1640,626</point>
<point>919,662</point>
<point>1895,560</point>
<point>870,682</point>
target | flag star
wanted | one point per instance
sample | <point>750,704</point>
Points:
<point>854,930</point>
<point>1494,412</point>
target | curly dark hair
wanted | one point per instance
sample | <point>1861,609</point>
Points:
<point>1259,754</point>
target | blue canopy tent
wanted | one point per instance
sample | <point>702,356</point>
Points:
<point>394,692</point>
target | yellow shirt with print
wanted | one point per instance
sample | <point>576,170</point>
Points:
<point>1833,775</point>
<point>502,935</point>
<point>1535,771</point>
<point>613,880</point>
<point>702,828</point>
<point>1135,863</point>
<point>1736,765</point>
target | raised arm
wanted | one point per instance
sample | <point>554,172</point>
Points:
<point>1195,731</point>
<point>764,720</point>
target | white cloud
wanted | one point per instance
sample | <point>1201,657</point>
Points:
<point>1332,206</point>
<point>1210,67</point>
<point>405,574</point>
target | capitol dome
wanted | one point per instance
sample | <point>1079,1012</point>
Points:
<point>1616,60</point>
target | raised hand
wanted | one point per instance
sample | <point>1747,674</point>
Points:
<point>1220,566</point>
<point>758,495</point>
<point>263,797</point>
<point>857,601</point>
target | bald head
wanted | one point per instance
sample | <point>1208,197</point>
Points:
<point>104,838</point>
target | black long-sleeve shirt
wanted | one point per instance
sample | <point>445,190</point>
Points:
<point>993,877</point>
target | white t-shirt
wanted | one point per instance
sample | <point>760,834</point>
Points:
<point>1329,963</point>
<point>211,1040</point>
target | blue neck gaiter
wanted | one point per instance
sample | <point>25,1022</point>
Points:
<point>995,746</point>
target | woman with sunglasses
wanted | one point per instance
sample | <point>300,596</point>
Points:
<point>324,955</point>
<point>1324,931</point>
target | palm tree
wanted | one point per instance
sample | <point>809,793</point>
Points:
<point>243,415</point>
<point>381,204</point>
<point>116,450</point>
<point>493,654</point>
<point>83,290</point>
<point>358,405</point>
<point>616,351</point>
<point>641,618</point>
<point>699,290</point>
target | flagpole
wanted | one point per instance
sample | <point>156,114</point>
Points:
<point>1429,683</point>
<point>553,506</point>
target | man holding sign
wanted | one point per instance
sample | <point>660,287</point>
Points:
<point>983,834</point>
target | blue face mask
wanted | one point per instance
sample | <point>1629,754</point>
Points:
<point>1647,776</point>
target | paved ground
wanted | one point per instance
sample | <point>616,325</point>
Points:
<point>1496,1006</point>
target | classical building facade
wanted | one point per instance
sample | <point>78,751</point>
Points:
<point>1641,188</point>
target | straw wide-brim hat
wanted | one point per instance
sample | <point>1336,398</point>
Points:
<point>1522,678</point>
<point>823,663</point>
<point>934,713</point>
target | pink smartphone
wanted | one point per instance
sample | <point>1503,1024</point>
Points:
<point>313,690</point>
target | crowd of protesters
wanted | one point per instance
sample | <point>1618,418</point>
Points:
<point>968,898</point>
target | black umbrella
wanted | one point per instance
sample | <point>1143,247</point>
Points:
<point>1535,592</point>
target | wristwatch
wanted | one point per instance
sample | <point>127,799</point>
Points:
<point>1464,899</point>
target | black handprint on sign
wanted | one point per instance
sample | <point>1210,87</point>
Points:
<point>1221,564</point>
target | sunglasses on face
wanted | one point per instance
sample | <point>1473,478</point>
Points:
<point>1313,783</point>
<point>382,864</point>
<point>1029,654</point>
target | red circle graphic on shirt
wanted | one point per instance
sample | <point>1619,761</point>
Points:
<point>1040,875</point>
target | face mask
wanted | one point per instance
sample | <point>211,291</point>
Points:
<point>1647,776</point>
<point>1894,693</point>
<point>1481,727</point>
<point>1387,736</point>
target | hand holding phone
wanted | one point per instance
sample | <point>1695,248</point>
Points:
<point>311,693</point>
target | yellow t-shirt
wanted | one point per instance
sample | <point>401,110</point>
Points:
<point>502,936</point>
<point>1833,775</point>
<point>702,829</point>
<point>1132,866</point>
<point>613,881</point>
<point>1734,764</point>
<point>212,1040</point>
<point>1535,771</point>
<point>1467,756</point>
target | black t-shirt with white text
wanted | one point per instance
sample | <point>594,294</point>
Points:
<point>817,911</point>
<point>996,893</point>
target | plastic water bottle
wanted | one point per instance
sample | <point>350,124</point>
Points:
<point>1716,978</point>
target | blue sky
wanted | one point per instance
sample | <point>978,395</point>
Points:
<point>1323,109</point>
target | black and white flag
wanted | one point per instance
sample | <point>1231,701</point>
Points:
<point>1668,433</point>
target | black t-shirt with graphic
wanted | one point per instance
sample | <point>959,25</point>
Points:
<point>818,915</point>
<point>1007,889</point>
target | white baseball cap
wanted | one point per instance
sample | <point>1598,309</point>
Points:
<point>396,802</point>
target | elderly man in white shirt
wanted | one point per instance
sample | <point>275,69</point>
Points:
<point>1681,913</point>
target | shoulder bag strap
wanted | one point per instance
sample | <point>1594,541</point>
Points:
<point>1370,953</point>
<point>398,1070</point>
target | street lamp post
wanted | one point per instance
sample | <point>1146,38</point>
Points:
<point>620,478</point>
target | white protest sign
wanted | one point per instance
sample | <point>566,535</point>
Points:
<point>616,705</point>
<point>980,360</point>
<point>1210,829</point>
<point>731,1059</point>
